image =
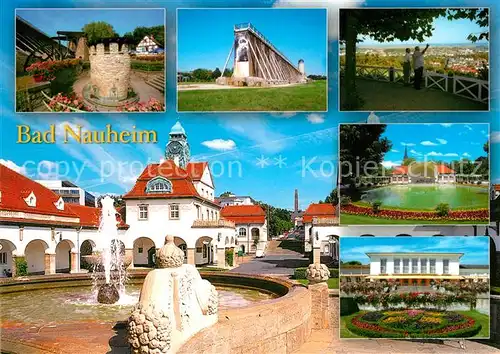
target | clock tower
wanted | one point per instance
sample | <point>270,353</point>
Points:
<point>177,148</point>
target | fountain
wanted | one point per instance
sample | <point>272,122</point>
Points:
<point>110,258</point>
<point>174,304</point>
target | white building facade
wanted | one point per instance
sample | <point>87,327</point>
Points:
<point>251,226</point>
<point>414,263</point>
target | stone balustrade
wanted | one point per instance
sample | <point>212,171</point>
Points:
<point>214,223</point>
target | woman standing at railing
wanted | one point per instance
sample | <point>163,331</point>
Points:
<point>407,67</point>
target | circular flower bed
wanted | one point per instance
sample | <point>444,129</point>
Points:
<point>413,323</point>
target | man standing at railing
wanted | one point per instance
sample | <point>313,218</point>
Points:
<point>407,67</point>
<point>418,65</point>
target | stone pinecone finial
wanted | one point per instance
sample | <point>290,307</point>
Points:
<point>169,256</point>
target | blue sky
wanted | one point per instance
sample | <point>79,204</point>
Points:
<point>291,135</point>
<point>51,21</point>
<point>475,249</point>
<point>206,36</point>
<point>432,142</point>
<point>445,31</point>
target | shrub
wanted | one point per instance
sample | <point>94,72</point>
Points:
<point>229,257</point>
<point>443,209</point>
<point>21,267</point>
<point>344,201</point>
<point>376,206</point>
<point>147,65</point>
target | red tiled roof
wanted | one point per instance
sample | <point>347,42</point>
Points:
<point>15,187</point>
<point>89,216</point>
<point>244,214</point>
<point>496,187</point>
<point>196,169</point>
<point>444,169</point>
<point>182,184</point>
<point>403,170</point>
<point>323,210</point>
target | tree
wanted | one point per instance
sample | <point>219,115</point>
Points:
<point>226,194</point>
<point>383,25</point>
<point>479,15</point>
<point>228,72</point>
<point>216,73</point>
<point>97,31</point>
<point>361,146</point>
<point>138,34</point>
<point>333,197</point>
<point>408,161</point>
<point>202,75</point>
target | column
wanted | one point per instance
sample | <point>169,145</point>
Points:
<point>50,263</point>
<point>221,257</point>
<point>14,267</point>
<point>190,256</point>
<point>74,263</point>
<point>235,257</point>
<point>316,255</point>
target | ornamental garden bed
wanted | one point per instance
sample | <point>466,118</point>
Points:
<point>481,215</point>
<point>413,323</point>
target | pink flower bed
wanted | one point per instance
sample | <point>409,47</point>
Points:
<point>153,105</point>
<point>457,215</point>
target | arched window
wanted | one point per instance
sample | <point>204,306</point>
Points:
<point>159,185</point>
<point>242,232</point>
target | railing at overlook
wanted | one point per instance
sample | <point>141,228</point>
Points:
<point>467,87</point>
<point>213,223</point>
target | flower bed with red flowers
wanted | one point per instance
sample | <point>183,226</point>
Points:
<point>46,70</point>
<point>71,103</point>
<point>411,323</point>
<point>153,105</point>
<point>453,215</point>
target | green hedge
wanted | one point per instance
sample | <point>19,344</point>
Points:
<point>21,267</point>
<point>147,65</point>
<point>229,257</point>
<point>300,273</point>
<point>348,306</point>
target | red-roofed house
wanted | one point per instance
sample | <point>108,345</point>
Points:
<point>423,172</point>
<point>321,232</point>
<point>251,226</point>
<point>37,225</point>
<point>177,197</point>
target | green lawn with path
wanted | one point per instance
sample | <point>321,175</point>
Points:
<point>303,97</point>
<point>348,219</point>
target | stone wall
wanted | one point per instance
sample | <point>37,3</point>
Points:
<point>110,71</point>
<point>278,326</point>
<point>82,50</point>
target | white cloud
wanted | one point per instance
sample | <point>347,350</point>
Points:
<point>13,166</point>
<point>416,153</point>
<point>495,137</point>
<point>442,141</point>
<point>333,7</point>
<point>389,164</point>
<point>446,125</point>
<point>433,153</point>
<point>220,144</point>
<point>285,115</point>
<point>450,154</point>
<point>408,144</point>
<point>394,150</point>
<point>315,118</point>
<point>466,154</point>
<point>428,143</point>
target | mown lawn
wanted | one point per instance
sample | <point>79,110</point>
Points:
<point>333,283</point>
<point>347,219</point>
<point>306,97</point>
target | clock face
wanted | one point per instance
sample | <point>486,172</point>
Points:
<point>175,148</point>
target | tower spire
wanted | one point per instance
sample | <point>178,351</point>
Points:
<point>296,205</point>
<point>406,153</point>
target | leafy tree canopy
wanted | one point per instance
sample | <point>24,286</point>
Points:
<point>97,31</point>
<point>138,34</point>
<point>226,194</point>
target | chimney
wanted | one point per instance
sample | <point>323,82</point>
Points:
<point>296,201</point>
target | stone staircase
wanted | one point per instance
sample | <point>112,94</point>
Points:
<point>274,247</point>
<point>157,82</point>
